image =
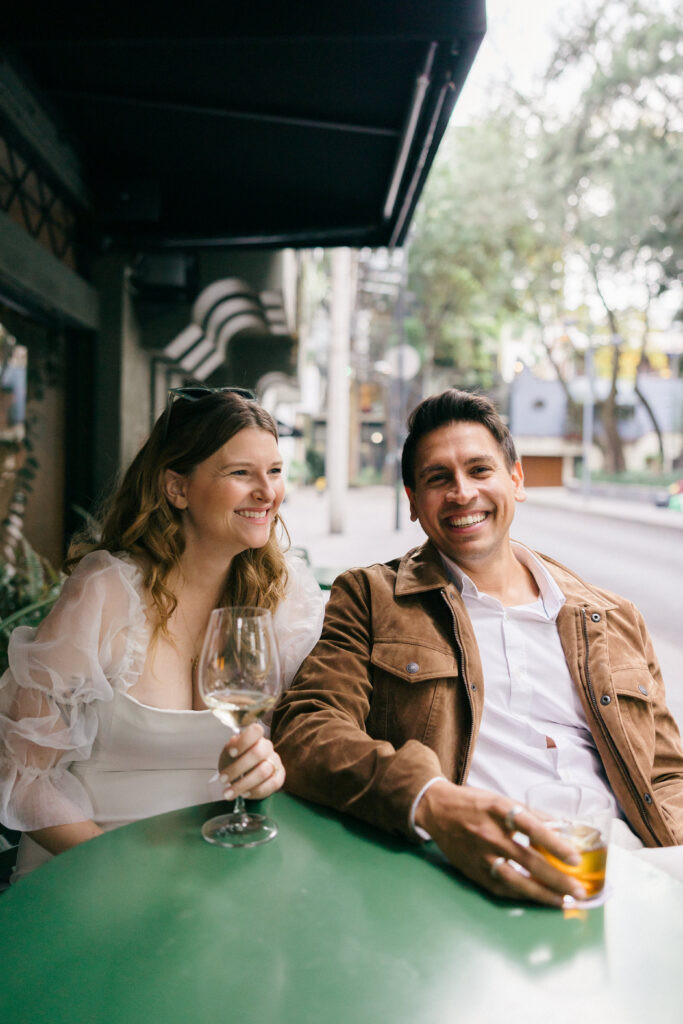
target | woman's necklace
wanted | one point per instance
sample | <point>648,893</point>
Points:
<point>195,641</point>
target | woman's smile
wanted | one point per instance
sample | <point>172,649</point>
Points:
<point>231,499</point>
<point>257,515</point>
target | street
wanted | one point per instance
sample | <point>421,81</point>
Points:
<point>641,561</point>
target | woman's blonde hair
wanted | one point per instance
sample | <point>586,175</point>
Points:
<point>140,520</point>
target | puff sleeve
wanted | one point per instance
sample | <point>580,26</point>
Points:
<point>93,640</point>
<point>298,619</point>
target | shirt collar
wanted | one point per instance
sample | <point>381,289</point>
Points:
<point>551,595</point>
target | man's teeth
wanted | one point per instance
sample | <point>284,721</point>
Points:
<point>254,515</point>
<point>478,517</point>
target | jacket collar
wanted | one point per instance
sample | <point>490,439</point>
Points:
<point>422,569</point>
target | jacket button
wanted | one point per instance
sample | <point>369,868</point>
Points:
<point>643,690</point>
<point>412,667</point>
<point>474,686</point>
<point>606,699</point>
<point>595,617</point>
<point>647,798</point>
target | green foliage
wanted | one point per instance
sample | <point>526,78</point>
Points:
<point>615,158</point>
<point>28,588</point>
<point>479,244</point>
<point>315,461</point>
<point>541,187</point>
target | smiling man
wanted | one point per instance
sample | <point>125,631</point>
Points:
<point>448,682</point>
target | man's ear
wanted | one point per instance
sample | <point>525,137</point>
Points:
<point>517,475</point>
<point>411,499</point>
<point>175,488</point>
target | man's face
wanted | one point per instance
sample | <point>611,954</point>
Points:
<point>464,493</point>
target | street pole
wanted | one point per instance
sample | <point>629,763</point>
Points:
<point>401,387</point>
<point>587,432</point>
<point>337,445</point>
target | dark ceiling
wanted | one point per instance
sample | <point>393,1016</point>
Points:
<point>272,123</point>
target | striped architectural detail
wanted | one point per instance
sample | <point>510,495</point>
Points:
<point>224,309</point>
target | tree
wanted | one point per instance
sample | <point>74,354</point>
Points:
<point>614,159</point>
<point>569,189</point>
<point>464,253</point>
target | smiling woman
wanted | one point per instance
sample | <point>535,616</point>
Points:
<point>101,721</point>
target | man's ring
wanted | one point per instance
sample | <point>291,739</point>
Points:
<point>510,817</point>
<point>495,866</point>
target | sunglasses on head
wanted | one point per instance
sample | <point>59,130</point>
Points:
<point>195,392</point>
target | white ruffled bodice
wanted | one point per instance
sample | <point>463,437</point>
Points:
<point>74,744</point>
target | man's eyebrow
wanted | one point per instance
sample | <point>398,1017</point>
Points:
<point>434,467</point>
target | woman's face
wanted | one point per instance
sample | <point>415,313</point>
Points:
<point>231,498</point>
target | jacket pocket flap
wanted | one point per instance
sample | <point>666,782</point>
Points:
<point>412,662</point>
<point>633,682</point>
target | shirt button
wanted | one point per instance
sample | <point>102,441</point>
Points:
<point>647,798</point>
<point>595,617</point>
<point>606,700</point>
<point>412,667</point>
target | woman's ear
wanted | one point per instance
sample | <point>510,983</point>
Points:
<point>175,488</point>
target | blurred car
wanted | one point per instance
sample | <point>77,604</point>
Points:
<point>672,497</point>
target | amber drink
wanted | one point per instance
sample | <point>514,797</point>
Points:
<point>581,816</point>
<point>591,847</point>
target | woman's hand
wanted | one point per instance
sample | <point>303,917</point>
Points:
<point>249,766</point>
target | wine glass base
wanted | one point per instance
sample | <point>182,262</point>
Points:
<point>239,830</point>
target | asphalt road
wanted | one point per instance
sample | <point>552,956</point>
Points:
<point>637,560</point>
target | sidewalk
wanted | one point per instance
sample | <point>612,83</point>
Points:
<point>369,534</point>
<point>609,508</point>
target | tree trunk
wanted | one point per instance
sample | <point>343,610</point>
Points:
<point>616,462</point>
<point>646,405</point>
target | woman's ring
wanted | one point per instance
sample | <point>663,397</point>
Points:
<point>495,866</point>
<point>510,817</point>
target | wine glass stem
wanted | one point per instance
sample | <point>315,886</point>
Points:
<point>239,811</point>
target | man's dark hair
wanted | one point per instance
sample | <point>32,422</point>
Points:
<point>453,406</point>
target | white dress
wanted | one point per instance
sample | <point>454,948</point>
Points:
<point>74,745</point>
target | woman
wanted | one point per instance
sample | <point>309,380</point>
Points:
<point>100,719</point>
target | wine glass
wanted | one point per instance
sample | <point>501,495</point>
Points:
<point>239,680</point>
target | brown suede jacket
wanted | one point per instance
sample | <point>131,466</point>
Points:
<point>392,695</point>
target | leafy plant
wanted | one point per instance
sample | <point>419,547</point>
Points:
<point>29,586</point>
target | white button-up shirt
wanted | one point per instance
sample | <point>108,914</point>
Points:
<point>529,696</point>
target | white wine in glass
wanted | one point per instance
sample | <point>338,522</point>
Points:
<point>239,680</point>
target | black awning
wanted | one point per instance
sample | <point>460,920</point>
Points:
<point>265,123</point>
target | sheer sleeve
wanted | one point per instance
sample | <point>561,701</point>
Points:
<point>299,617</point>
<point>93,641</point>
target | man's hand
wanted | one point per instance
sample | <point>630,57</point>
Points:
<point>249,766</point>
<point>469,827</point>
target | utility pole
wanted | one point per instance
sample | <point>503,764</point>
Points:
<point>337,445</point>
<point>587,426</point>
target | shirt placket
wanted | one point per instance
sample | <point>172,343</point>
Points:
<point>521,689</point>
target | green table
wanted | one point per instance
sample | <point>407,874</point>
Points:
<point>332,922</point>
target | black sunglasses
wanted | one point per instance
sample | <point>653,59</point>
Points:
<point>195,392</point>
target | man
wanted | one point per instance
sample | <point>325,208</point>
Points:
<point>447,682</point>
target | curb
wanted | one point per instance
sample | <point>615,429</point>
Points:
<point>624,511</point>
